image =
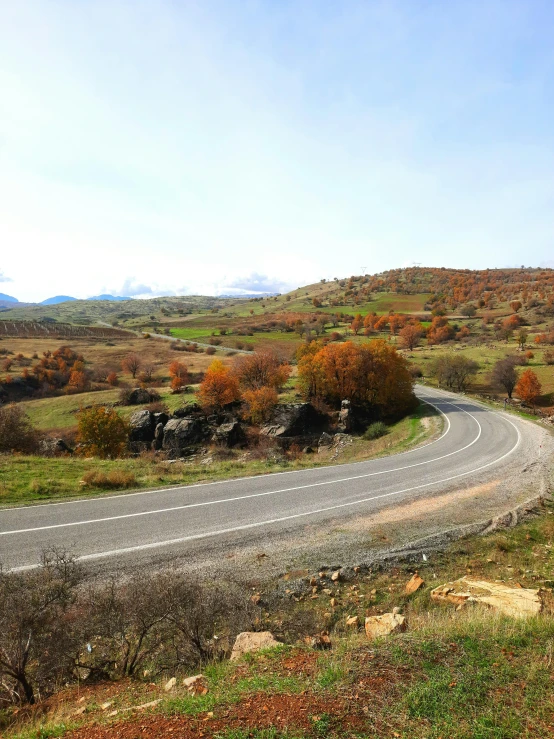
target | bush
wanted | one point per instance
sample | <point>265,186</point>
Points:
<point>376,431</point>
<point>114,480</point>
<point>16,432</point>
<point>101,432</point>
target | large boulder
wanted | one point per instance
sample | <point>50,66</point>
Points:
<point>292,419</point>
<point>180,433</point>
<point>142,426</point>
<point>139,396</point>
<point>252,641</point>
<point>510,601</point>
<point>50,447</point>
<point>229,434</point>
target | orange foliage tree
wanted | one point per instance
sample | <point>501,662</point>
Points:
<point>179,375</point>
<point>528,387</point>
<point>259,403</point>
<point>411,334</point>
<point>219,387</point>
<point>261,369</point>
<point>101,432</point>
<point>372,375</point>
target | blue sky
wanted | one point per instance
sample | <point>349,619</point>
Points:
<point>175,146</point>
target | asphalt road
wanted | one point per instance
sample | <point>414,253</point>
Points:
<point>177,521</point>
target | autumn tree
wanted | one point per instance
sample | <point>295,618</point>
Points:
<point>528,387</point>
<point>131,364</point>
<point>147,373</point>
<point>179,375</point>
<point>505,375</point>
<point>357,324</point>
<point>101,432</point>
<point>410,335</point>
<point>372,376</point>
<point>259,403</point>
<point>522,336</point>
<point>515,305</point>
<point>261,369</point>
<point>16,431</point>
<point>219,387</point>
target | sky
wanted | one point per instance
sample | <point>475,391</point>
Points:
<point>155,147</point>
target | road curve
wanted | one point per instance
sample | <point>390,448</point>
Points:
<point>474,441</point>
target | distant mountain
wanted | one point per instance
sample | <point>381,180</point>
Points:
<point>7,298</point>
<point>57,299</point>
<point>108,297</point>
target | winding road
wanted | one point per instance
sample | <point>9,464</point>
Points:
<point>158,523</point>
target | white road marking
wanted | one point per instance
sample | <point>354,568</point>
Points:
<point>246,497</point>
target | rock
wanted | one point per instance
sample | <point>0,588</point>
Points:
<point>413,584</point>
<point>335,577</point>
<point>170,684</point>
<point>162,418</point>
<point>179,433</point>
<point>319,641</point>
<point>292,419</point>
<point>352,622</point>
<point>139,396</point>
<point>252,641</point>
<point>229,434</point>
<point>510,601</point>
<point>142,426</point>
<point>388,623</point>
<point>52,447</point>
<point>346,419</point>
<point>196,685</point>
<point>325,440</point>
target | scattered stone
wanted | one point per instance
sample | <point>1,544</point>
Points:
<point>325,441</point>
<point>335,577</point>
<point>352,621</point>
<point>196,685</point>
<point>510,601</point>
<point>319,641</point>
<point>170,684</point>
<point>106,705</point>
<point>388,623</point>
<point>252,641</point>
<point>415,583</point>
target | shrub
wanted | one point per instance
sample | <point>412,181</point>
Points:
<point>259,403</point>
<point>101,432</point>
<point>113,480</point>
<point>210,350</point>
<point>454,371</point>
<point>549,357</point>
<point>16,432</point>
<point>376,430</point>
<point>37,649</point>
<point>260,370</point>
<point>218,388</point>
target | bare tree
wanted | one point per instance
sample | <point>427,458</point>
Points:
<point>131,364</point>
<point>505,375</point>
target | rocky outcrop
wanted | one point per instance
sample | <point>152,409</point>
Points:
<point>229,434</point>
<point>50,447</point>
<point>142,426</point>
<point>346,417</point>
<point>516,602</point>
<point>293,419</point>
<point>180,433</point>
<point>252,641</point>
<point>388,623</point>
